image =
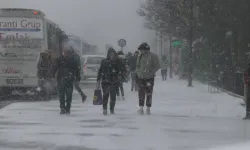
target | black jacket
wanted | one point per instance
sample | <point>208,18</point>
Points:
<point>68,67</point>
<point>110,71</point>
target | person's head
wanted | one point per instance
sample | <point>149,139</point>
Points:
<point>129,54</point>
<point>120,53</point>
<point>136,53</point>
<point>111,55</point>
<point>65,49</point>
<point>164,57</point>
<point>144,47</point>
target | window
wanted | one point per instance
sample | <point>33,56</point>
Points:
<point>94,60</point>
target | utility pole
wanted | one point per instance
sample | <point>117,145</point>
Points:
<point>170,57</point>
<point>190,70</point>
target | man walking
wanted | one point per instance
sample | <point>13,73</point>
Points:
<point>146,67</point>
<point>164,68</point>
<point>68,71</point>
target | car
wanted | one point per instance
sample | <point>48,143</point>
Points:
<point>90,65</point>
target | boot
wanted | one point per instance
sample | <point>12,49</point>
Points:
<point>112,111</point>
<point>247,116</point>
<point>67,112</point>
<point>62,111</point>
<point>140,111</point>
<point>148,111</point>
<point>105,112</point>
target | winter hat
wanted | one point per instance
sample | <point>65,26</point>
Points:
<point>144,46</point>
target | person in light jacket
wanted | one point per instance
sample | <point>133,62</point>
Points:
<point>146,67</point>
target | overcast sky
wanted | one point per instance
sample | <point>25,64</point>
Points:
<point>97,21</point>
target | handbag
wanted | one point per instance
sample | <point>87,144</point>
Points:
<point>97,98</point>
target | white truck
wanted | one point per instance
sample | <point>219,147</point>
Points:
<point>24,34</point>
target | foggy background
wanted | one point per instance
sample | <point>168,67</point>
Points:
<point>98,22</point>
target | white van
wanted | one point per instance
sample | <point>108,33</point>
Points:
<point>90,65</point>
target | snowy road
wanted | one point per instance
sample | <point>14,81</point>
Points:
<point>182,119</point>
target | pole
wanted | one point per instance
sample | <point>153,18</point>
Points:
<point>190,45</point>
<point>170,57</point>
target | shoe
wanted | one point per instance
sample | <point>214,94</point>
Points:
<point>123,98</point>
<point>247,117</point>
<point>105,112</point>
<point>62,112</point>
<point>84,97</point>
<point>68,112</point>
<point>112,111</point>
<point>140,111</point>
<point>148,111</point>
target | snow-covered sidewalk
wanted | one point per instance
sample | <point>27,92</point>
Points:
<point>182,118</point>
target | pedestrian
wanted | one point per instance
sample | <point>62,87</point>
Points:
<point>77,83</point>
<point>43,68</point>
<point>164,68</point>
<point>132,67</point>
<point>68,71</point>
<point>247,72</point>
<point>146,67</point>
<point>124,75</point>
<point>109,76</point>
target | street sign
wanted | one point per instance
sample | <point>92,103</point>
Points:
<point>122,43</point>
<point>176,43</point>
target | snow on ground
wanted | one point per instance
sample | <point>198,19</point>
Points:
<point>182,119</point>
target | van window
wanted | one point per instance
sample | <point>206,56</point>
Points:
<point>94,60</point>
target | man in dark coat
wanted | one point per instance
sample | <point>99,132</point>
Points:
<point>68,71</point>
<point>109,76</point>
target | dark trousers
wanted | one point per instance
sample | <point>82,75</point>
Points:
<point>65,90</point>
<point>118,88</point>
<point>164,74</point>
<point>133,82</point>
<point>248,102</point>
<point>109,90</point>
<point>79,90</point>
<point>145,90</point>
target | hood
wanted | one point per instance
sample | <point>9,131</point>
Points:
<point>110,50</point>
